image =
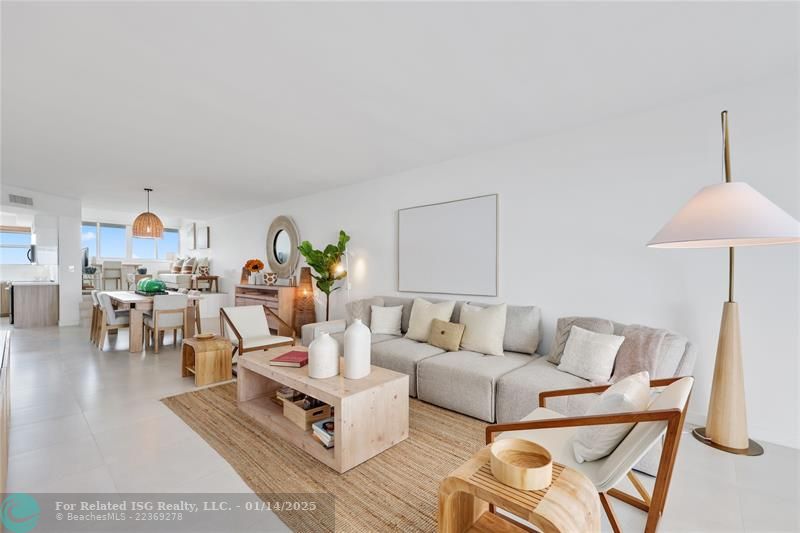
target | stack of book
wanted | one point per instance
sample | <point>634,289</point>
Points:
<point>295,358</point>
<point>323,431</point>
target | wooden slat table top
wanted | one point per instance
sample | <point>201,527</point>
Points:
<point>131,297</point>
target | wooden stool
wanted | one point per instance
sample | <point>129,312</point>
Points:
<point>209,360</point>
<point>569,504</point>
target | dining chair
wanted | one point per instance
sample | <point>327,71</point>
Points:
<point>112,271</point>
<point>110,319</point>
<point>169,312</point>
<point>664,417</point>
<point>248,328</point>
<point>96,314</point>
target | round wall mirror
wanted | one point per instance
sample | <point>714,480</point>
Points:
<point>282,247</point>
<point>282,242</point>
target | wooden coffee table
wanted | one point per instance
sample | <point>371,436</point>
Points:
<point>370,414</point>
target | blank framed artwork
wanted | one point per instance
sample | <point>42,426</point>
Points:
<point>449,247</point>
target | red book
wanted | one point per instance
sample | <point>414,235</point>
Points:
<point>295,358</point>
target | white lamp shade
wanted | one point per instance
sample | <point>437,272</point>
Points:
<point>728,214</point>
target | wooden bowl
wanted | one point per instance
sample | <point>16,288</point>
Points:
<point>203,336</point>
<point>522,464</point>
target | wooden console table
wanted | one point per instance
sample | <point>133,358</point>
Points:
<point>278,298</point>
<point>569,504</point>
<point>370,414</point>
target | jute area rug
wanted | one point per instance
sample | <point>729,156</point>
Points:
<point>395,491</point>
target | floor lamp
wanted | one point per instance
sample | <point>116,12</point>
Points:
<point>728,214</point>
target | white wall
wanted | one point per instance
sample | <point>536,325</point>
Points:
<point>68,213</point>
<point>576,209</point>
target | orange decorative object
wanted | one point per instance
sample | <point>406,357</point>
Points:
<point>254,265</point>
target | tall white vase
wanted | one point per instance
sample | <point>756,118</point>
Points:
<point>323,357</point>
<point>357,350</point>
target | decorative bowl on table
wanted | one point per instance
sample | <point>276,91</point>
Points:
<point>150,287</point>
<point>521,464</point>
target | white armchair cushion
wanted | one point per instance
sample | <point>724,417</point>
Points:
<point>261,340</point>
<point>627,395</point>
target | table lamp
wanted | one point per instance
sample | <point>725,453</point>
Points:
<point>728,215</point>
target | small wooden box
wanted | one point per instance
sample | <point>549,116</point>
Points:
<point>294,411</point>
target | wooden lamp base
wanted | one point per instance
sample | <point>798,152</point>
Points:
<point>726,427</point>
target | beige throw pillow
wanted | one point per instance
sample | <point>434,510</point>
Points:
<point>627,395</point>
<point>590,355</point>
<point>423,313</point>
<point>485,328</point>
<point>446,335</point>
<point>598,325</point>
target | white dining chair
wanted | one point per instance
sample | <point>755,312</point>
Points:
<point>169,312</point>
<point>112,271</point>
<point>111,320</point>
<point>662,419</point>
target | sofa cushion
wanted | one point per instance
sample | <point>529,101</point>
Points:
<point>518,391</point>
<point>188,266</point>
<point>423,313</point>
<point>362,310</point>
<point>403,355</point>
<point>375,339</point>
<point>408,303</point>
<point>563,326</point>
<point>386,320</point>
<point>485,328</point>
<point>446,335</point>
<point>465,381</point>
<point>522,327</point>
<point>590,355</point>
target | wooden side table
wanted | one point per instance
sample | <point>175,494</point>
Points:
<point>209,360</point>
<point>213,282</point>
<point>569,504</point>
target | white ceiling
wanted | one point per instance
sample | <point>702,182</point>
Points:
<point>221,106</point>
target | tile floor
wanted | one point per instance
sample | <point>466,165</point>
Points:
<point>90,421</point>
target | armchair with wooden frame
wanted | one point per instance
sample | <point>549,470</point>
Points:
<point>664,417</point>
<point>248,328</point>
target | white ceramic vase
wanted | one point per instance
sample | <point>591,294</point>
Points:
<point>323,357</point>
<point>357,350</point>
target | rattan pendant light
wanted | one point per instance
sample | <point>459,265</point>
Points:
<point>148,225</point>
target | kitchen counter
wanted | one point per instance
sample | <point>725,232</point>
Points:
<point>34,303</point>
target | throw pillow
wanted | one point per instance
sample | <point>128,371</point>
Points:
<point>386,320</point>
<point>656,350</point>
<point>423,313</point>
<point>485,328</point>
<point>590,355</point>
<point>177,266</point>
<point>200,261</point>
<point>188,266</point>
<point>446,335</point>
<point>362,309</point>
<point>598,325</point>
<point>595,442</point>
<point>522,328</point>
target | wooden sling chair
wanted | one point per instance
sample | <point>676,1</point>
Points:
<point>248,328</point>
<point>664,416</point>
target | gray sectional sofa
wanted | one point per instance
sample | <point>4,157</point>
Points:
<point>487,387</point>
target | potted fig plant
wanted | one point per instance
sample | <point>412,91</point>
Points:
<point>327,264</point>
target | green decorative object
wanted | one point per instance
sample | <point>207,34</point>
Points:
<point>328,266</point>
<point>151,286</point>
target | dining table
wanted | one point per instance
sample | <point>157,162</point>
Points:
<point>139,304</point>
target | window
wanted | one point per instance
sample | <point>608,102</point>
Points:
<point>89,237</point>
<point>169,244</point>
<point>15,241</point>
<point>112,241</point>
<point>142,248</point>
